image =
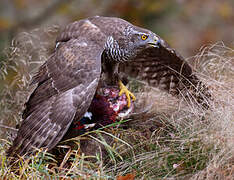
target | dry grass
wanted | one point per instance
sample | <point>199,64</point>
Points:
<point>167,138</point>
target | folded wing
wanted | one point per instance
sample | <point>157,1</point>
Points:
<point>66,85</point>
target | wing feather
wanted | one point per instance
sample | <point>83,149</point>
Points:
<point>66,85</point>
<point>163,67</point>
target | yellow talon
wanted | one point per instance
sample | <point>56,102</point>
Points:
<point>124,90</point>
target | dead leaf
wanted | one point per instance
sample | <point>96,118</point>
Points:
<point>130,176</point>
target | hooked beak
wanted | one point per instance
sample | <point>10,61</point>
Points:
<point>154,42</point>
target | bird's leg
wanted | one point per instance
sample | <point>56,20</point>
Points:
<point>124,90</point>
<point>111,76</point>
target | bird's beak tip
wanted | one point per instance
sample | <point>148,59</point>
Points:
<point>155,42</point>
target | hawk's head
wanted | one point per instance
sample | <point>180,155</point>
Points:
<point>127,42</point>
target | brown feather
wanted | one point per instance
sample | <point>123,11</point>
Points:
<point>65,90</point>
<point>163,67</point>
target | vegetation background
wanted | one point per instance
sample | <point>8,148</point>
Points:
<point>201,30</point>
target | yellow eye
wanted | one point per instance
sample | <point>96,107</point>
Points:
<point>144,37</point>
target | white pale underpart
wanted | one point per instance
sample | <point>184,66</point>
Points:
<point>88,115</point>
<point>114,51</point>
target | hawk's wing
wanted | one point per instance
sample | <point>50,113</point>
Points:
<point>66,85</point>
<point>163,67</point>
